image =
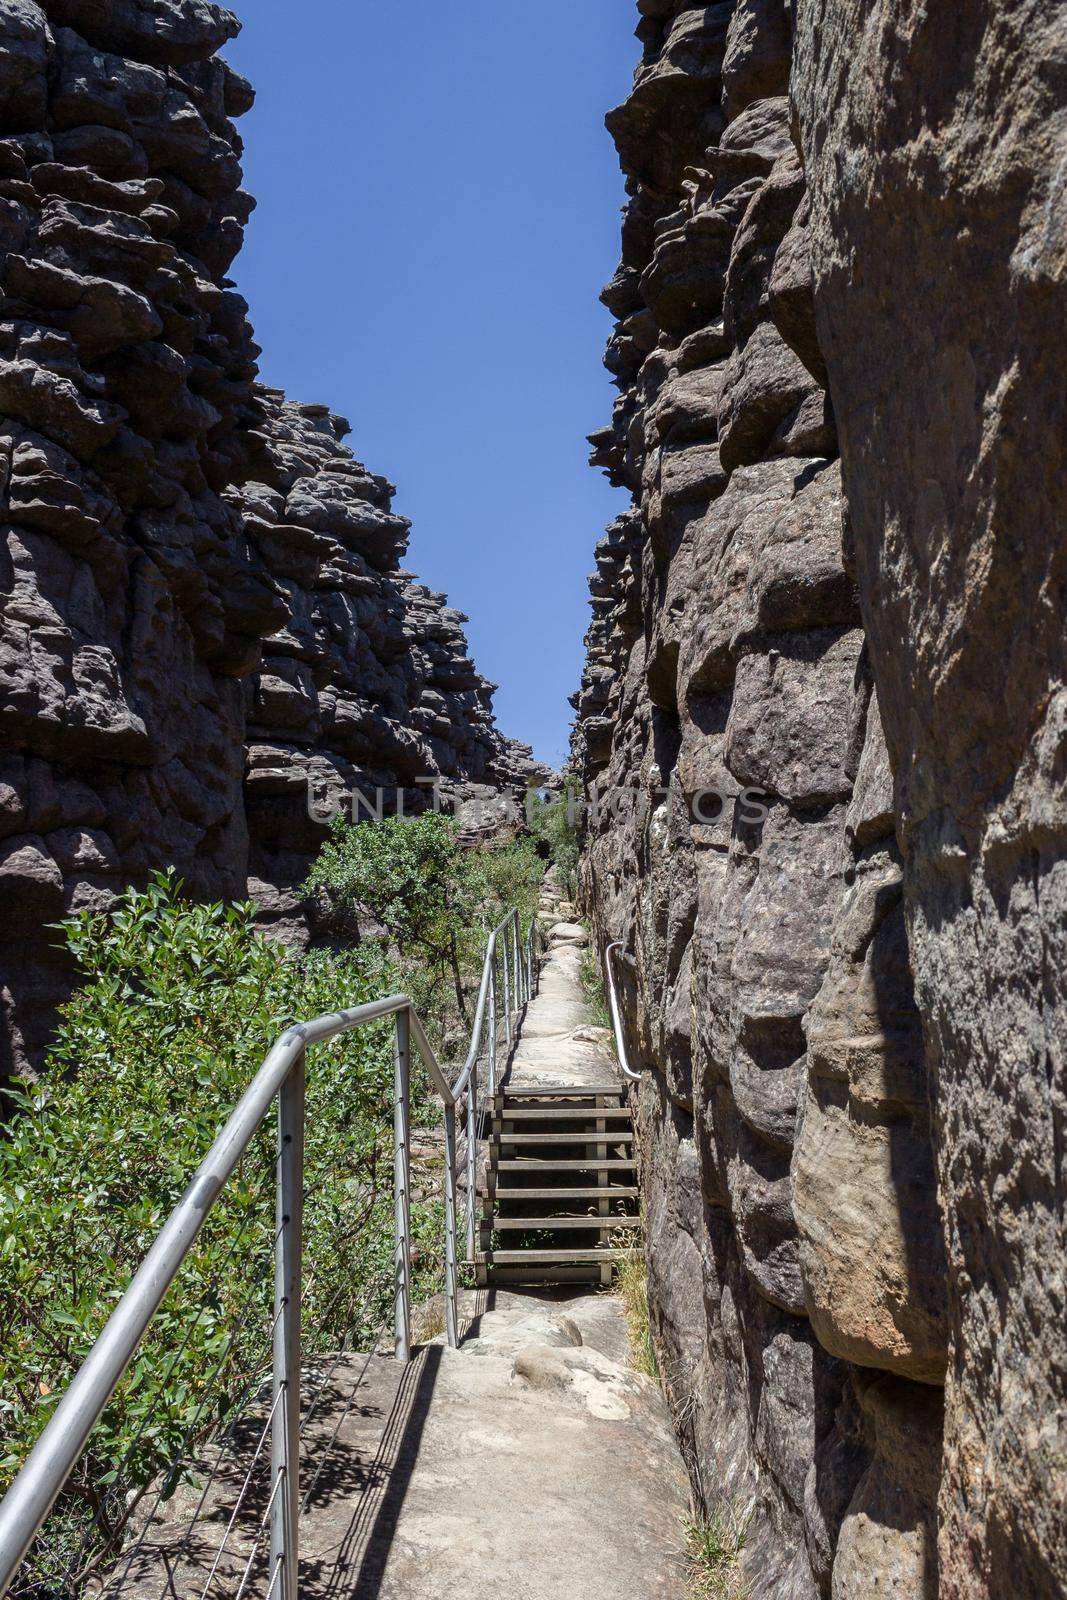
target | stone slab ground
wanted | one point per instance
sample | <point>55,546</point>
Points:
<point>531,1463</point>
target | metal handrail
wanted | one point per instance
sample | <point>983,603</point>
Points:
<point>616,1013</point>
<point>520,983</point>
<point>281,1077</point>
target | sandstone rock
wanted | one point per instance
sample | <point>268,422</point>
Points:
<point>788,725</point>
<point>864,1193</point>
<point>954,490</point>
<point>888,1529</point>
<point>763,391</point>
<point>758,54</point>
<point>784,1139</point>
<point>791,294</point>
<point>191,565</point>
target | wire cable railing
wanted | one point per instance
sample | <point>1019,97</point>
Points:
<point>250,1462</point>
<point>511,968</point>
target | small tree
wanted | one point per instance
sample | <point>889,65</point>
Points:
<point>554,823</point>
<point>409,874</point>
<point>435,900</point>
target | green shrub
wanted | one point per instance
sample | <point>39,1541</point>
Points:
<point>631,1286</point>
<point>435,900</point>
<point>555,823</point>
<point>178,1007</point>
<point>592,981</point>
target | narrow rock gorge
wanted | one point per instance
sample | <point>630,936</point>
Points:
<point>823,710</point>
<point>204,616</point>
<point>822,727</point>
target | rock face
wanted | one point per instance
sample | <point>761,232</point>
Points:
<point>823,709</point>
<point>367,689</point>
<point>197,576</point>
<point>963,556</point>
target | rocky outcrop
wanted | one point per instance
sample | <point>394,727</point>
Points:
<point>829,831</point>
<point>368,689</point>
<point>192,569</point>
<point>962,565</point>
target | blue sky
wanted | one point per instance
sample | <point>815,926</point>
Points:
<point>438,209</point>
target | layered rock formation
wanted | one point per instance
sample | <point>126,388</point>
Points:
<point>962,564</point>
<point>193,570</point>
<point>822,725</point>
<point>367,690</point>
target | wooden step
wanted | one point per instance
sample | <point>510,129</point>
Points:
<point>565,1114</point>
<point>595,1137</point>
<point>608,1191</point>
<point>528,1164</point>
<point>581,1093</point>
<point>533,1224</point>
<point>600,1275</point>
<point>547,1258</point>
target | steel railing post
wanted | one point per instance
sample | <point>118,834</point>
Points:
<point>288,1253</point>
<point>492,1029</point>
<point>516,937</point>
<point>472,1159</point>
<point>507,988</point>
<point>402,1189</point>
<point>279,1082</point>
<point>451,1318</point>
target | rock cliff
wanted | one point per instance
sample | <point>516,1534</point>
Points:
<point>202,603</point>
<point>823,707</point>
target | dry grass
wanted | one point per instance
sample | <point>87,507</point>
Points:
<point>713,1546</point>
<point>592,981</point>
<point>428,1320</point>
<point>631,1285</point>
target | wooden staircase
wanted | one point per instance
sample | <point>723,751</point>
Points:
<point>561,1193</point>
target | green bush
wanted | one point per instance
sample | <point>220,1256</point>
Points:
<point>592,981</point>
<point>436,901</point>
<point>715,1544</point>
<point>178,1007</point>
<point>555,823</point>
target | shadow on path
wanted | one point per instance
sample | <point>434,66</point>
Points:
<point>352,1566</point>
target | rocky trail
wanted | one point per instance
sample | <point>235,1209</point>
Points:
<point>532,1461</point>
<point>820,741</point>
